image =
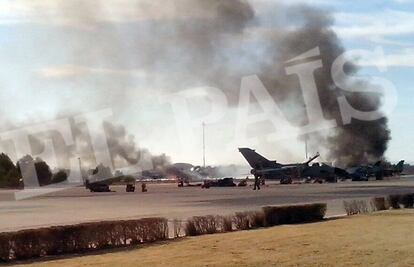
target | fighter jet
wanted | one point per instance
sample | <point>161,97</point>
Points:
<point>359,173</point>
<point>189,175</point>
<point>101,178</point>
<point>364,172</point>
<point>386,169</point>
<point>186,173</point>
<point>270,169</point>
<point>377,170</point>
<point>395,169</point>
<point>324,172</point>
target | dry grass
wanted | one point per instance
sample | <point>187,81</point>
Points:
<point>381,239</point>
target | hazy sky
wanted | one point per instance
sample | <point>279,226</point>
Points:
<point>47,72</point>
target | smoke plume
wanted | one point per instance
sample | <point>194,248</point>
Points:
<point>214,43</point>
<point>122,147</point>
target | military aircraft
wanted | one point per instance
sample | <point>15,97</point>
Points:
<point>186,173</point>
<point>189,175</point>
<point>377,170</point>
<point>324,172</point>
<point>101,178</point>
<point>103,185</point>
<point>270,169</point>
<point>359,173</point>
<point>395,169</point>
<point>364,172</point>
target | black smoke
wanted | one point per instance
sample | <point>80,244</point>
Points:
<point>215,43</point>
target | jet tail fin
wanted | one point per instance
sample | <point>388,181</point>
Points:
<point>400,166</point>
<point>254,159</point>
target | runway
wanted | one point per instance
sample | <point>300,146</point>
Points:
<point>76,205</point>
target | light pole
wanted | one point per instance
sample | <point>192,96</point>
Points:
<point>306,146</point>
<point>204,145</point>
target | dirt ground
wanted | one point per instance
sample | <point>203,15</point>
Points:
<point>380,239</point>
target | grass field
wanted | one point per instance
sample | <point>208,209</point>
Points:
<point>381,239</point>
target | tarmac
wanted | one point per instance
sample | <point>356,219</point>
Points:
<point>75,205</point>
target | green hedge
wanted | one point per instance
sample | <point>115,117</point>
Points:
<point>83,237</point>
<point>276,215</point>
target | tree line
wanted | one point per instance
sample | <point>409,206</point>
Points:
<point>11,174</point>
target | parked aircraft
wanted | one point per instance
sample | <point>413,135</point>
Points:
<point>395,169</point>
<point>377,170</point>
<point>101,178</point>
<point>270,169</point>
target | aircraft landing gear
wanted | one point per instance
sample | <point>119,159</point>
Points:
<point>286,180</point>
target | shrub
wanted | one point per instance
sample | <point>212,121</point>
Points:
<point>353,207</point>
<point>394,200</point>
<point>257,219</point>
<point>79,238</point>
<point>248,220</point>
<point>227,224</point>
<point>407,200</point>
<point>379,203</point>
<point>202,225</point>
<point>275,215</point>
<point>191,228</point>
<point>242,220</point>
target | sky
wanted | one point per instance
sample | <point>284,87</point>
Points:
<point>389,26</point>
<point>46,72</point>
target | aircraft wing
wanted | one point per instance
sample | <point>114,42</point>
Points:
<point>284,168</point>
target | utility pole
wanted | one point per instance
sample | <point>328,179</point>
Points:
<point>306,146</point>
<point>81,172</point>
<point>204,145</point>
<point>80,165</point>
